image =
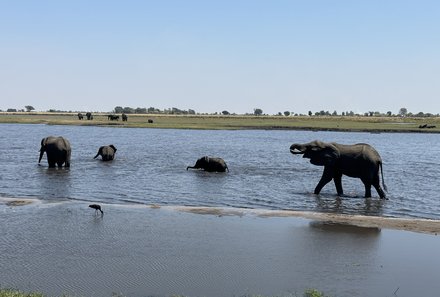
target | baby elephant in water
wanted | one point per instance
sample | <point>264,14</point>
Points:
<point>107,152</point>
<point>210,164</point>
<point>358,160</point>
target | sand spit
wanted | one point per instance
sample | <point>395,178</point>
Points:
<point>408,224</point>
<point>12,202</point>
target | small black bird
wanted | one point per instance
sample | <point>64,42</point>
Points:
<point>96,207</point>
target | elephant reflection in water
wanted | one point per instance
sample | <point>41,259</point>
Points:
<point>359,160</point>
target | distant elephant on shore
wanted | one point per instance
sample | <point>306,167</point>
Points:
<point>107,152</point>
<point>80,116</point>
<point>57,150</point>
<point>210,164</point>
<point>89,116</point>
<point>359,160</point>
<point>124,117</point>
<point>113,117</point>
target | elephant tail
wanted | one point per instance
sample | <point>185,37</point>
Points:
<point>383,180</point>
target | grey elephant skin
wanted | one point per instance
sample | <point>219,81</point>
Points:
<point>106,152</point>
<point>210,164</point>
<point>58,151</point>
<point>359,160</point>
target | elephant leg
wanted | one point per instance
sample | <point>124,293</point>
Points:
<point>376,185</point>
<point>338,183</point>
<point>367,184</point>
<point>60,164</point>
<point>327,176</point>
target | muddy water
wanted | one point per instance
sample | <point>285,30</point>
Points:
<point>63,248</point>
<point>150,169</point>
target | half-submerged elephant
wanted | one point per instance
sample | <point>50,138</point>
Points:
<point>107,152</point>
<point>210,164</point>
<point>57,150</point>
<point>359,160</point>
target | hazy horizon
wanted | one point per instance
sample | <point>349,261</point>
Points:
<point>212,56</point>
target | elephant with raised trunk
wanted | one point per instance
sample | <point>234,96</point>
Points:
<point>359,160</point>
<point>107,152</point>
<point>210,164</point>
<point>57,150</point>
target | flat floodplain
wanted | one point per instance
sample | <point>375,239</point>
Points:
<point>235,122</point>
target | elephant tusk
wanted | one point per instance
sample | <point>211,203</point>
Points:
<point>296,152</point>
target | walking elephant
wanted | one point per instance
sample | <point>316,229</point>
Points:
<point>113,117</point>
<point>57,150</point>
<point>107,152</point>
<point>210,164</point>
<point>359,160</point>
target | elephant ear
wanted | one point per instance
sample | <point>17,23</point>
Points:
<point>322,154</point>
<point>330,155</point>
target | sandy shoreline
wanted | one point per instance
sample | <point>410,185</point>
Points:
<point>407,224</point>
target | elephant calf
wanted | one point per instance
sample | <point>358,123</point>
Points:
<point>210,164</point>
<point>107,152</point>
<point>57,149</point>
<point>359,160</point>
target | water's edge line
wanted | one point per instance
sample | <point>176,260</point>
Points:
<point>419,225</point>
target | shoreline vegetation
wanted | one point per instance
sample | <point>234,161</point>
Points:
<point>18,293</point>
<point>236,122</point>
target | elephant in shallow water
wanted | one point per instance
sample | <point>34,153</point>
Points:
<point>57,150</point>
<point>210,164</point>
<point>359,160</point>
<point>107,152</point>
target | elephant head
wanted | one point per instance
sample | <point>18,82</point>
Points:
<point>358,160</point>
<point>319,153</point>
<point>210,164</point>
<point>57,149</point>
<point>107,152</point>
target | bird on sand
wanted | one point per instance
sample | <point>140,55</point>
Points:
<point>96,207</point>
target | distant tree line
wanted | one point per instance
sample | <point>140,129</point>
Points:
<point>152,110</point>
<point>403,112</point>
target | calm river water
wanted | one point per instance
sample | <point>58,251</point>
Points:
<point>150,168</point>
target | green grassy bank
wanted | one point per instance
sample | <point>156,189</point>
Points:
<point>234,122</point>
<point>17,293</point>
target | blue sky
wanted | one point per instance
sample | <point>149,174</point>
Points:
<point>221,55</point>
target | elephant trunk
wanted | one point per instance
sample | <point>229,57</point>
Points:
<point>297,149</point>
<point>41,154</point>
<point>189,167</point>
